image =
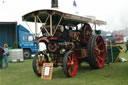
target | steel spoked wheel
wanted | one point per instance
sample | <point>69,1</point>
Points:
<point>96,52</point>
<point>100,51</point>
<point>70,64</point>
<point>38,61</point>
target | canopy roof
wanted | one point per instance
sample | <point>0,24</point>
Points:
<point>56,15</point>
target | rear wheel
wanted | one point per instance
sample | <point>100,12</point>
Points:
<point>70,64</point>
<point>38,61</point>
<point>96,52</point>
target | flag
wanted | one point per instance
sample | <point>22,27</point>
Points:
<point>74,3</point>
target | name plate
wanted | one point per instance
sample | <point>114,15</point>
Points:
<point>47,71</point>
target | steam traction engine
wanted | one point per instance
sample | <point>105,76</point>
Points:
<point>69,40</point>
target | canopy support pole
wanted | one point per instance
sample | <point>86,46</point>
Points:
<point>43,26</point>
<point>35,25</point>
<point>51,25</point>
<point>57,25</point>
<point>28,26</point>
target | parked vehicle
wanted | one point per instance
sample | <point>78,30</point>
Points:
<point>120,38</point>
<point>67,44</point>
<point>110,38</point>
<point>115,38</point>
<point>17,36</point>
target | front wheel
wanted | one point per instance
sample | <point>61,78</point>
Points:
<point>38,61</point>
<point>70,64</point>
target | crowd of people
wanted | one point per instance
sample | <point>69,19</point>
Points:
<point>4,54</point>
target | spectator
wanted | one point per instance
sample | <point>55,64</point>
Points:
<point>6,54</point>
<point>1,57</point>
<point>126,46</point>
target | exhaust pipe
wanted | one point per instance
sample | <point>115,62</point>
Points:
<point>54,4</point>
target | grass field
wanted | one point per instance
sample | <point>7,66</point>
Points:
<point>22,74</point>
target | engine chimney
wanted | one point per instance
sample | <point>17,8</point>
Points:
<point>54,3</point>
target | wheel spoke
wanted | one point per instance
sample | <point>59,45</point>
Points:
<point>96,54</point>
<point>69,70</point>
<point>99,44</point>
<point>69,63</point>
<point>72,67</point>
<point>39,69</point>
<point>69,57</point>
<point>41,58</point>
<point>72,57</point>
<point>100,58</point>
<point>97,40</point>
<point>102,51</point>
<point>97,61</point>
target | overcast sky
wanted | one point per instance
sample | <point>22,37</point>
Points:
<point>114,12</point>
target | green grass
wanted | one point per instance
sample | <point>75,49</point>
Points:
<point>22,74</point>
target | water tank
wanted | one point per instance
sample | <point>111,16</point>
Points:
<point>16,55</point>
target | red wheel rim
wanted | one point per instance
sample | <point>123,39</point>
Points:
<point>72,64</point>
<point>100,51</point>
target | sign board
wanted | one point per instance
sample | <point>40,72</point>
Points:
<point>47,71</point>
